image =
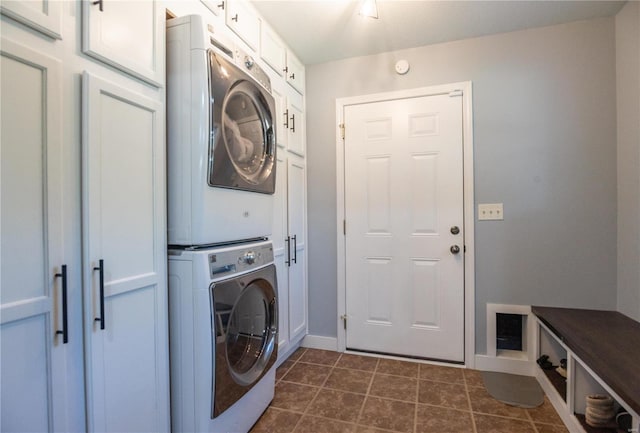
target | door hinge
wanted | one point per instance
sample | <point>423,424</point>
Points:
<point>344,321</point>
<point>455,93</point>
<point>341,126</point>
<point>344,227</point>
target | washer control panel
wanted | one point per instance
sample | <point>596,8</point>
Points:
<point>239,259</point>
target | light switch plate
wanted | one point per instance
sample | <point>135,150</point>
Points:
<point>490,211</point>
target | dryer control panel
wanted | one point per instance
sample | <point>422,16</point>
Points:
<point>249,65</point>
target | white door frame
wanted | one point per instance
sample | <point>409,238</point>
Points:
<point>467,140</point>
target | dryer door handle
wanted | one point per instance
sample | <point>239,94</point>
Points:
<point>271,142</point>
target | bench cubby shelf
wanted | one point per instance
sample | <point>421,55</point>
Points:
<point>602,349</point>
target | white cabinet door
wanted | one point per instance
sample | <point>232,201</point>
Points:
<point>281,250</point>
<point>296,186</point>
<point>295,72</point>
<point>213,5</point>
<point>243,20</point>
<point>296,123</point>
<point>128,35</point>
<point>33,352</point>
<point>44,16</point>
<point>124,255</point>
<point>272,50</point>
<point>289,242</point>
<point>281,115</point>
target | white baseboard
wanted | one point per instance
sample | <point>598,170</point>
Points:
<point>501,364</point>
<point>320,342</point>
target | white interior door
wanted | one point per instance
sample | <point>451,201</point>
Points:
<point>403,198</point>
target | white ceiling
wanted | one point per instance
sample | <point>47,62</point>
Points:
<point>323,30</point>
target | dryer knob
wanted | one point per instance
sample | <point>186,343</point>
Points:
<point>249,62</point>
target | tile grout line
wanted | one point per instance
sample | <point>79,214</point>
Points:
<point>535,428</point>
<point>471,413</point>
<point>366,395</point>
<point>296,361</point>
<point>415,409</point>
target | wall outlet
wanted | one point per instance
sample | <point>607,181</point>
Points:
<point>490,211</point>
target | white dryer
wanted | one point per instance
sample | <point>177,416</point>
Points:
<point>221,147</point>
<point>223,329</point>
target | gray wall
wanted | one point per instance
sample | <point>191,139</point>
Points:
<point>544,103</point>
<point>628,113</point>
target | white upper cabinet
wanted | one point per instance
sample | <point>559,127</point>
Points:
<point>272,50</point>
<point>214,6</point>
<point>243,20</point>
<point>295,72</point>
<point>295,124</point>
<point>126,35</point>
<point>280,117</point>
<point>44,16</point>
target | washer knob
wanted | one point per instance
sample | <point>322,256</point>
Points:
<point>249,62</point>
<point>249,257</point>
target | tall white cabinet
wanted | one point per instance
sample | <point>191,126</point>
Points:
<point>289,233</point>
<point>124,260</point>
<point>82,222</point>
<point>33,264</point>
<point>289,246</point>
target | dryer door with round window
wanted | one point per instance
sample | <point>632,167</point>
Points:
<point>242,153</point>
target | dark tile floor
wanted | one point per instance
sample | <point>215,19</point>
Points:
<point>319,391</point>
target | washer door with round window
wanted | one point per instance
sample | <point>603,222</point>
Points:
<point>242,151</point>
<point>244,329</point>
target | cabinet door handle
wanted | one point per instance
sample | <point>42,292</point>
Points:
<point>293,76</point>
<point>286,118</point>
<point>293,122</point>
<point>234,18</point>
<point>65,328</point>
<point>100,269</point>
<point>288,242</point>
<point>221,5</point>
<point>285,69</point>
<point>99,2</point>
<point>295,249</point>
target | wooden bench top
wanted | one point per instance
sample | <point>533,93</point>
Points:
<point>606,341</point>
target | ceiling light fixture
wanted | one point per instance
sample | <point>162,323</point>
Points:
<point>369,8</point>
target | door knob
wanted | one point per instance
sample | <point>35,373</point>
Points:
<point>455,230</point>
<point>454,249</point>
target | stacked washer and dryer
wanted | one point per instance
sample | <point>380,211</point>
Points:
<point>222,280</point>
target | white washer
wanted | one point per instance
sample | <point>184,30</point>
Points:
<point>223,334</point>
